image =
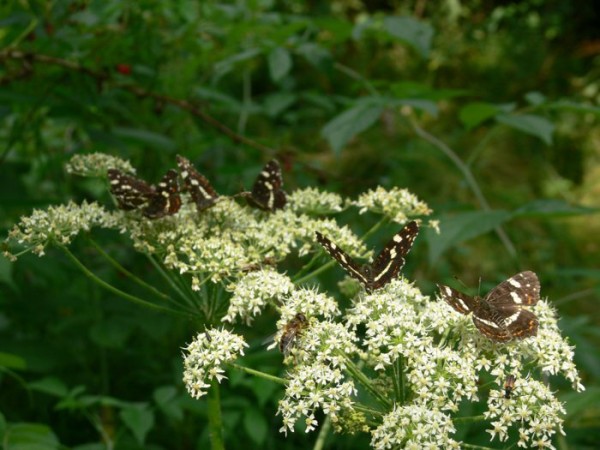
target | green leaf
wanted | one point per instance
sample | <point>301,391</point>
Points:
<point>167,401</point>
<point>476,113</point>
<point>577,403</point>
<point>6,277</point>
<point>158,141</point>
<point>278,102</point>
<point>12,361</point>
<point>569,105</point>
<point>227,65</point>
<point>552,208</point>
<point>280,63</point>
<point>411,31</point>
<point>30,436</point>
<point>458,228</point>
<point>50,385</point>
<point>316,55</point>
<point>256,425</point>
<point>139,419</point>
<point>111,334</point>
<point>343,127</point>
<point>535,98</point>
<point>264,390</point>
<point>528,123</point>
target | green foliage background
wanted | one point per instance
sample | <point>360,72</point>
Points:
<point>487,110</point>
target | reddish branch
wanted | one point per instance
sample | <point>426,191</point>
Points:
<point>28,58</point>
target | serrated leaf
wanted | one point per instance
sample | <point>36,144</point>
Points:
<point>461,227</point>
<point>411,31</point>
<point>551,207</point>
<point>343,127</point>
<point>528,123</point>
<point>476,113</point>
<point>139,419</point>
<point>12,361</point>
<point>280,63</point>
<point>50,385</point>
<point>255,425</point>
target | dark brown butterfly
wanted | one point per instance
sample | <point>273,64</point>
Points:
<point>267,193</point>
<point>203,194</point>
<point>386,265</point>
<point>501,315</point>
<point>132,193</point>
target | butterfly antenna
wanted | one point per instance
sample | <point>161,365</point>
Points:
<point>460,281</point>
<point>479,287</point>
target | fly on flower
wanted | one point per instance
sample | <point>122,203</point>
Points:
<point>291,332</point>
<point>197,185</point>
<point>387,264</point>
<point>500,315</point>
<point>509,386</point>
<point>132,193</point>
<point>267,193</point>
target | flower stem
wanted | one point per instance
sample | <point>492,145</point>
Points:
<point>125,272</point>
<point>479,418</point>
<point>316,272</point>
<point>356,373</point>
<point>475,447</point>
<point>320,443</point>
<point>258,373</point>
<point>215,420</point>
<point>113,289</point>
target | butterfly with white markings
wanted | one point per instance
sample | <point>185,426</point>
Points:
<point>267,193</point>
<point>132,193</point>
<point>203,194</point>
<point>386,265</point>
<point>501,315</point>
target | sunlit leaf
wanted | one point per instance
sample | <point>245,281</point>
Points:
<point>411,31</point>
<point>139,419</point>
<point>535,125</point>
<point>280,63</point>
<point>343,127</point>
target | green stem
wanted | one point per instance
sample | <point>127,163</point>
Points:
<point>215,420</point>
<point>367,410</point>
<point>356,373</point>
<point>400,371</point>
<point>320,443</point>
<point>357,76</point>
<point>469,178</point>
<point>258,373</point>
<point>166,277</point>
<point>479,418</point>
<point>113,289</point>
<point>316,272</point>
<point>475,447</point>
<point>307,266</point>
<point>127,273</point>
<point>374,228</point>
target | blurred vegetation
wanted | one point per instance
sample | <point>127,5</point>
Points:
<point>486,110</point>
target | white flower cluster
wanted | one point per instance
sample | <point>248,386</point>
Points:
<point>97,164</point>
<point>414,427</point>
<point>532,407</point>
<point>397,204</point>
<point>254,291</point>
<point>59,225</point>
<point>205,356</point>
<point>313,201</point>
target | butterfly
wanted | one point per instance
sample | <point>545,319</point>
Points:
<point>203,194</point>
<point>132,193</point>
<point>500,315</point>
<point>266,193</point>
<point>386,265</point>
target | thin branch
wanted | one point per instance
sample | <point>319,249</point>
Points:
<point>470,179</point>
<point>185,105</point>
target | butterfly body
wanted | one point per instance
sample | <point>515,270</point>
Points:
<point>267,193</point>
<point>501,315</point>
<point>386,265</point>
<point>202,192</point>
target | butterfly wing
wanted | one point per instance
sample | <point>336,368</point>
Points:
<point>522,289</point>
<point>130,192</point>
<point>266,192</point>
<point>388,263</point>
<point>463,303</point>
<point>197,185</point>
<point>166,200</point>
<point>345,260</point>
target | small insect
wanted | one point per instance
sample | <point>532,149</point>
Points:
<point>386,265</point>
<point>291,332</point>
<point>501,315</point>
<point>203,194</point>
<point>509,386</point>
<point>132,193</point>
<point>267,193</point>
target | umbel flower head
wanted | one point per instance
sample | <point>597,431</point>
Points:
<point>393,363</point>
